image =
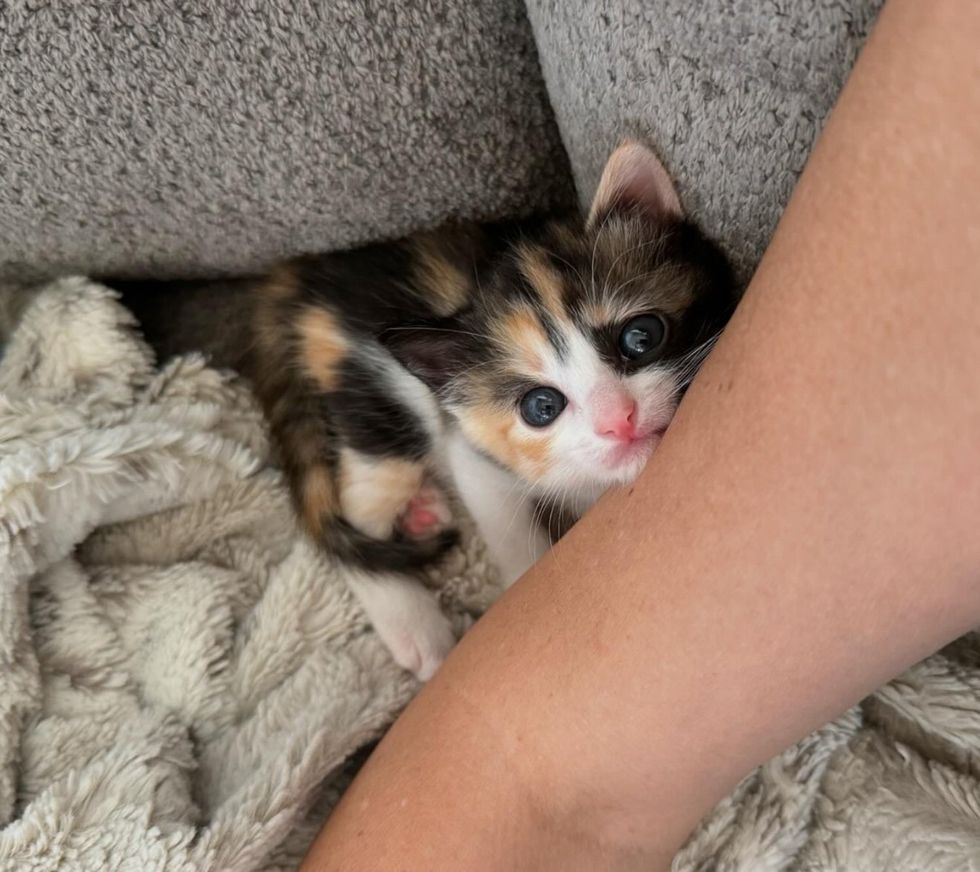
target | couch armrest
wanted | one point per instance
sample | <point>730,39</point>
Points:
<point>732,94</point>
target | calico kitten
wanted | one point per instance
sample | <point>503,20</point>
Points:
<point>532,365</point>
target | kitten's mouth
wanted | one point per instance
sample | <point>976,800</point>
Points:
<point>633,455</point>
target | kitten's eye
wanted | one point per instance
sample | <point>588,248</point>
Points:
<point>540,406</point>
<point>642,335</point>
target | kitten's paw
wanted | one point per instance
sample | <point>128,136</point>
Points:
<point>407,618</point>
<point>427,514</point>
<point>421,649</point>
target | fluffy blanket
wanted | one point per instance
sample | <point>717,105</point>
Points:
<point>185,684</point>
<point>182,677</point>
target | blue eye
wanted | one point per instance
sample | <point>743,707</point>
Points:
<point>540,406</point>
<point>642,335</point>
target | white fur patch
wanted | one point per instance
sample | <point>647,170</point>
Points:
<point>407,618</point>
<point>502,506</point>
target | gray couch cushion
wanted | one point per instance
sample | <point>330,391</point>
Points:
<point>155,137</point>
<point>733,93</point>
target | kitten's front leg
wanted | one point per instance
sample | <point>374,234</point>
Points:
<point>502,507</point>
<point>355,433</point>
<point>389,422</point>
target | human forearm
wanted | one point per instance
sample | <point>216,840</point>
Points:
<point>806,529</point>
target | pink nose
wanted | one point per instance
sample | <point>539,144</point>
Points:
<point>617,420</point>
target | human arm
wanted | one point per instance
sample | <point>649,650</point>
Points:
<point>806,530</point>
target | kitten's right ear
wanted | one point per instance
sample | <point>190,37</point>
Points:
<point>635,179</point>
<point>432,353</point>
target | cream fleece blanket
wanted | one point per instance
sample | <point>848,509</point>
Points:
<point>184,682</point>
<point>182,677</point>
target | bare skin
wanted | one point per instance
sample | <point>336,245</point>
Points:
<point>806,530</point>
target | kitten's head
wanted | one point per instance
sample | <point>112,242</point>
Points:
<point>571,361</point>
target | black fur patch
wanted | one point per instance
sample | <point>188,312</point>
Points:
<point>370,418</point>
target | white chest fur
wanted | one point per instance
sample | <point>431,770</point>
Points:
<point>502,505</point>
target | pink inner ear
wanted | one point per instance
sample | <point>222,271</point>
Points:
<point>634,177</point>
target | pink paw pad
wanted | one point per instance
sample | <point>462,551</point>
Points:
<point>426,514</point>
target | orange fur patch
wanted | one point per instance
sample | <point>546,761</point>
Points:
<point>545,281</point>
<point>499,433</point>
<point>282,283</point>
<point>445,285</point>
<point>318,498</point>
<point>375,490</point>
<point>322,345</point>
<point>603,313</point>
<point>272,294</point>
<point>524,338</point>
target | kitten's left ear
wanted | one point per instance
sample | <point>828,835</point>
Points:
<point>635,179</point>
<point>432,353</point>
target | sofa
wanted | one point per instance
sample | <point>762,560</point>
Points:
<point>160,705</point>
